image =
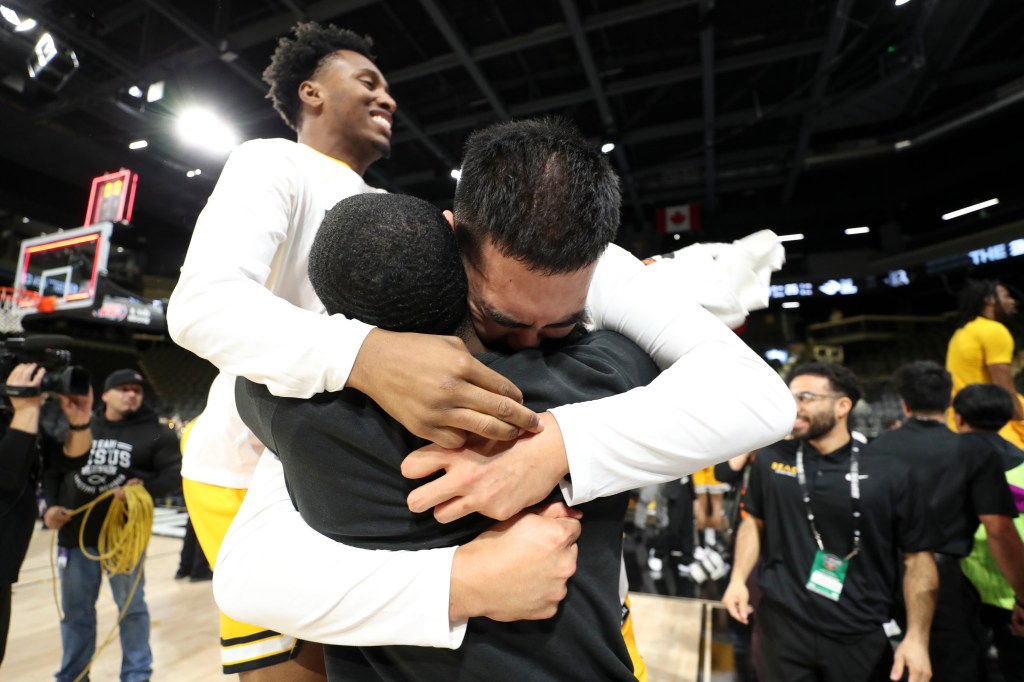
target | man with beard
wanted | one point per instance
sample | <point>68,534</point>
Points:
<point>829,520</point>
<point>129,447</point>
<point>981,348</point>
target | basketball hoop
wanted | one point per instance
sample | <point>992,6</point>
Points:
<point>14,305</point>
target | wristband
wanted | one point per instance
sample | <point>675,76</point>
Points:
<point>80,427</point>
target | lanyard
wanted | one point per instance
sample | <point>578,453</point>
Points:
<point>854,496</point>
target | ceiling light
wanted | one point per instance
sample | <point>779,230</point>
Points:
<point>198,171</point>
<point>138,144</point>
<point>903,144</point>
<point>857,230</point>
<point>135,91</point>
<point>20,25</point>
<point>901,2</point>
<point>970,209</point>
<point>607,147</point>
<point>155,92</point>
<point>790,237</point>
<point>791,304</point>
<point>676,236</point>
<point>456,174</point>
<point>202,128</point>
<point>44,51</point>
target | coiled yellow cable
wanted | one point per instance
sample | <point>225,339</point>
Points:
<point>122,544</point>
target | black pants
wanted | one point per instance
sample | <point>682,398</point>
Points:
<point>794,652</point>
<point>678,537</point>
<point>192,562</point>
<point>5,618</point>
<point>1010,648</point>
<point>957,644</point>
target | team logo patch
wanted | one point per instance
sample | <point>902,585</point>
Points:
<point>784,469</point>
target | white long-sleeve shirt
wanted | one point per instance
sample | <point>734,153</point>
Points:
<point>244,300</point>
<point>732,402</point>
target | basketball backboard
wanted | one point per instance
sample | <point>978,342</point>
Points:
<point>64,266</point>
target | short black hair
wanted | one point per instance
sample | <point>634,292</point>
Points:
<point>297,59</point>
<point>842,379</point>
<point>973,298</point>
<point>925,386</point>
<point>390,260</point>
<point>985,407</point>
<point>540,192</point>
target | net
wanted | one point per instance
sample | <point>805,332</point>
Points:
<point>14,305</point>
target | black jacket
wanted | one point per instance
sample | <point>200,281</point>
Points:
<point>135,447</point>
<point>341,456</point>
<point>19,477</point>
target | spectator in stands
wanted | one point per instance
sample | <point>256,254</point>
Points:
<point>20,467</point>
<point>965,486</point>
<point>981,410</point>
<point>981,349</point>
<point>832,519</point>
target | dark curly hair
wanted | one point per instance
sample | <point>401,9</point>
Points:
<point>390,260</point>
<point>297,59</point>
<point>842,379</point>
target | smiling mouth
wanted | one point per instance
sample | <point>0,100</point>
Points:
<point>383,122</point>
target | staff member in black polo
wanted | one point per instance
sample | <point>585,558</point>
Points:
<point>965,487</point>
<point>832,519</point>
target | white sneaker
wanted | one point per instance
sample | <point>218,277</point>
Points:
<point>654,562</point>
<point>714,564</point>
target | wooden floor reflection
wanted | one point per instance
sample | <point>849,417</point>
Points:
<point>184,625</point>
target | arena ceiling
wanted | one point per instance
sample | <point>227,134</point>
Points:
<point>806,116</point>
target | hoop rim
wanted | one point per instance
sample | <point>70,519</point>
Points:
<point>10,295</point>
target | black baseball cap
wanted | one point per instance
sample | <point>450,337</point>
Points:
<point>121,377</point>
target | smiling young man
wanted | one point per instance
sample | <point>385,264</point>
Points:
<point>244,301</point>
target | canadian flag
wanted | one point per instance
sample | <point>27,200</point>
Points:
<point>683,218</point>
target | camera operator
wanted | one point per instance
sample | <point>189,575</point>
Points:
<point>20,469</point>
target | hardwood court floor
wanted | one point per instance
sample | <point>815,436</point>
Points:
<point>185,632</point>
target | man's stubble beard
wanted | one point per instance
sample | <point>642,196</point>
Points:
<point>818,426</point>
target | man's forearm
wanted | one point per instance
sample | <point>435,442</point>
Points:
<point>920,589</point>
<point>1007,549</point>
<point>1001,376</point>
<point>748,548</point>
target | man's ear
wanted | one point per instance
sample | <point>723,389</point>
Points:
<point>845,406</point>
<point>310,94</point>
<point>450,217</point>
<point>903,405</point>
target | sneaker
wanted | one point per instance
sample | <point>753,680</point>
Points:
<point>654,562</point>
<point>713,564</point>
<point>181,574</point>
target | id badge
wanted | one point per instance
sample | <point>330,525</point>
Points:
<point>827,575</point>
